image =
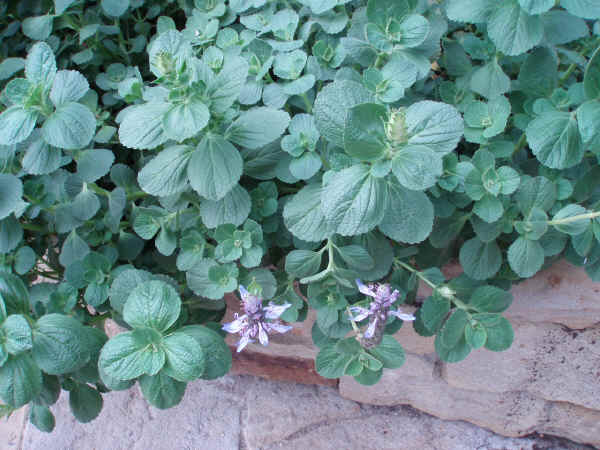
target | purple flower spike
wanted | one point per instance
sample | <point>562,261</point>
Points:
<point>378,312</point>
<point>257,322</point>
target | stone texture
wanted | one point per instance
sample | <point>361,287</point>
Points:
<point>11,430</point>
<point>562,294</point>
<point>208,417</point>
<point>418,383</point>
<point>545,360</point>
<point>243,412</point>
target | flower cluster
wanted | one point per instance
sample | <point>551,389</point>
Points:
<point>258,320</point>
<point>378,311</point>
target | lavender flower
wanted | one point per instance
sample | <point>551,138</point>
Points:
<point>378,311</point>
<point>258,321</point>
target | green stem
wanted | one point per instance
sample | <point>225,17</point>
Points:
<point>520,144</point>
<point>379,61</point>
<point>307,103</point>
<point>432,285</point>
<point>567,74</point>
<point>577,218</point>
<point>98,190</point>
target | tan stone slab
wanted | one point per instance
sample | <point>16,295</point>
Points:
<point>545,360</point>
<point>11,430</point>
<point>562,293</point>
<point>417,384</point>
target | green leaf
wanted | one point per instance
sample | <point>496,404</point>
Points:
<point>380,11</point>
<point>11,234</point>
<point>71,127</point>
<point>356,257</point>
<point>413,30</point>
<point>41,159</point>
<point>131,354</point>
<point>500,335</point>
<point>199,280</point>
<point>16,124</point>
<point>303,216</point>
<point>40,65</point>
<point>302,263</point>
<point>389,352</point>
<point>20,380</point>
<point>525,257</point>
<point>17,334</point>
<point>475,335</point>
<point>61,6</point>
<point>217,356</point>
<point>408,216</point>
<point>369,377</point>
<point>114,8</point>
<point>124,284</point>
<point>185,359</point>
<point>257,127</point>
<point>74,249</point>
<point>289,66</point>
<point>11,191</point>
<point>489,208</point>
<point>512,30</point>
<point>59,344</point>
<point>588,119</point>
<point>306,166</point>
<point>234,208</point>
<point>166,174</point>
<point>215,167</point>
<point>94,164</point>
<point>560,27</point>
<point>453,330</point>
<point>14,293</point>
<point>455,354</point>
<point>10,66</point>
<point>480,260</point>
<point>591,79</point>
<point>224,89</point>
<point>330,363</point>
<point>490,80</point>
<point>162,391</point>
<point>474,11</point>
<point>38,28</point>
<point>555,140</point>
<point>185,120</point>
<point>570,226</point>
<point>539,74</point>
<point>364,131</point>
<point>332,106</point>
<point>153,304</point>
<point>69,86</point>
<point>433,312</point>
<point>537,192</point>
<point>42,418</point>
<point>417,167</point>
<point>490,299</point>
<point>85,402</point>
<point>149,136</point>
<point>353,201</point>
<point>536,6</point>
<point>588,9</point>
<point>435,125</point>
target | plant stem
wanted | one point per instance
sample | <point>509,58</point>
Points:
<point>521,143</point>
<point>577,218</point>
<point>567,74</point>
<point>426,280</point>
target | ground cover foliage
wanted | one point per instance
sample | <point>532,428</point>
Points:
<point>157,155</point>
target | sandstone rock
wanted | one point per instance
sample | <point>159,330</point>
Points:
<point>562,294</point>
<point>412,342</point>
<point>208,418</point>
<point>417,383</point>
<point>11,429</point>
<point>545,360</point>
<point>573,422</point>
